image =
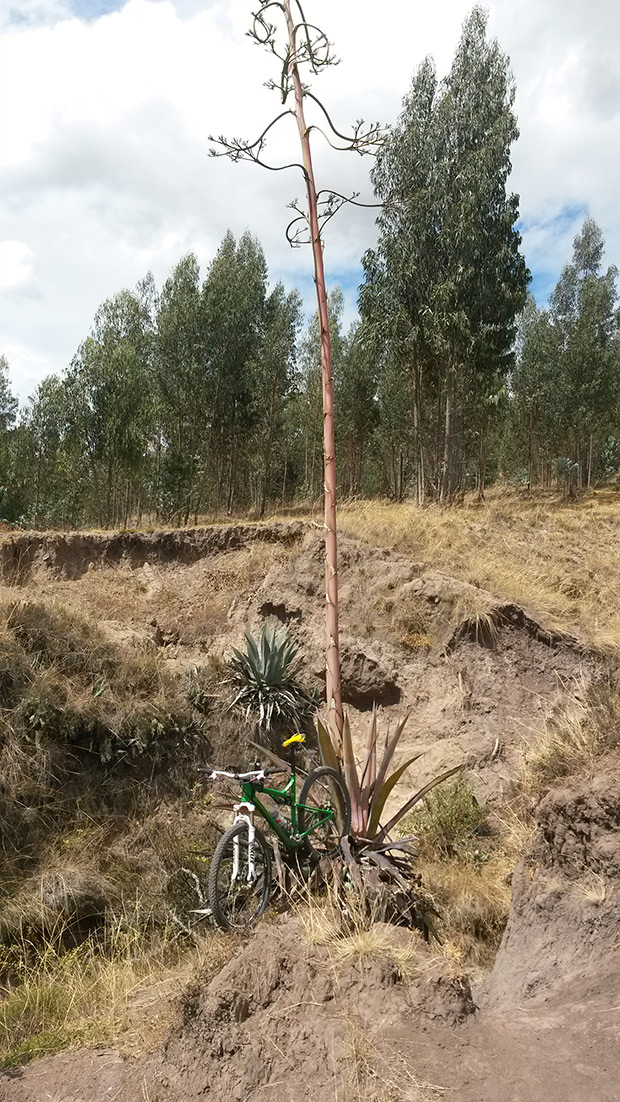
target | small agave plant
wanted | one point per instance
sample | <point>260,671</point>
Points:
<point>266,677</point>
<point>370,787</point>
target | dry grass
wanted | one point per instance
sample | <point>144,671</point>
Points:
<point>358,938</point>
<point>380,1074</point>
<point>594,888</point>
<point>586,726</point>
<point>473,900</point>
<point>559,560</point>
<point>89,951</point>
<point>468,873</point>
<point>122,992</point>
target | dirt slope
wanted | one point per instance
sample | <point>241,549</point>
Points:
<point>477,676</point>
<point>287,1019</point>
<point>290,1020</point>
<point>71,554</point>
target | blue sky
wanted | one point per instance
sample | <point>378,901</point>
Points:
<point>92,9</point>
<point>107,108</point>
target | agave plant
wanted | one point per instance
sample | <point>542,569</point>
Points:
<point>267,680</point>
<point>370,788</point>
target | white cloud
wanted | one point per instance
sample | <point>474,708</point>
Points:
<point>105,142</point>
<point>15,263</point>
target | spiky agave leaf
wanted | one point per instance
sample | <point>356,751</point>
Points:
<point>416,799</point>
<point>326,746</point>
<point>369,772</point>
<point>388,754</point>
<point>352,780</point>
<point>381,794</point>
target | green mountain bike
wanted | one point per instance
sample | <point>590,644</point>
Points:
<point>240,874</point>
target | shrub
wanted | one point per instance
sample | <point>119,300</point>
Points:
<point>449,818</point>
<point>266,678</point>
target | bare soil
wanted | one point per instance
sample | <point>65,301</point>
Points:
<point>289,1019</point>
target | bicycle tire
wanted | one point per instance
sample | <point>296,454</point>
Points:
<point>238,904</point>
<point>324,787</point>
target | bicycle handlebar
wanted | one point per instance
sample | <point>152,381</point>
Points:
<point>252,775</point>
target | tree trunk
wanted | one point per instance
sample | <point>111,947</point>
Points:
<point>284,477</point>
<point>444,486</point>
<point>481,467</point>
<point>417,429</point>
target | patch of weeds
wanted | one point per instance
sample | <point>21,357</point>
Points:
<point>466,862</point>
<point>449,819</point>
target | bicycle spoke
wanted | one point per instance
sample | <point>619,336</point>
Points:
<point>237,896</point>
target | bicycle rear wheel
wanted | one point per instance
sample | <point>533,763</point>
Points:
<point>237,901</point>
<point>324,790</point>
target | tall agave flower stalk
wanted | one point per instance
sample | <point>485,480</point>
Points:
<point>306,45</point>
<point>332,648</point>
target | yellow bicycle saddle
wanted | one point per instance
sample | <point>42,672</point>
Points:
<point>292,739</point>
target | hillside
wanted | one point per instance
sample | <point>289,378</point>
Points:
<point>492,626</point>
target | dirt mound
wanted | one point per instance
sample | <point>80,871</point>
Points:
<point>565,916</point>
<point>477,675</point>
<point>279,1013</point>
<point>290,1021</point>
<point>284,1019</point>
<point>71,555</point>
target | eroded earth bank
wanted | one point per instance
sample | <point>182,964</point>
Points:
<point>302,1008</point>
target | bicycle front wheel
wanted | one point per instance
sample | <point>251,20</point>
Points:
<point>324,791</point>
<point>239,881</point>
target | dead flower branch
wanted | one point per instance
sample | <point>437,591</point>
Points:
<point>299,44</point>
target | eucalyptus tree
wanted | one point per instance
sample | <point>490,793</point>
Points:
<point>535,423</point>
<point>181,389</point>
<point>53,491</point>
<point>356,397</point>
<point>108,391</point>
<point>400,277</point>
<point>447,270</point>
<point>8,401</point>
<point>234,303</point>
<point>585,319</point>
<point>8,413</point>
<point>303,45</point>
<point>275,370</point>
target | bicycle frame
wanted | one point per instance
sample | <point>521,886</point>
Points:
<point>291,841</point>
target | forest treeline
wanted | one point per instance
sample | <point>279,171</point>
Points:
<point>204,395</point>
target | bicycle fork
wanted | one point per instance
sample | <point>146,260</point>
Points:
<point>244,813</point>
